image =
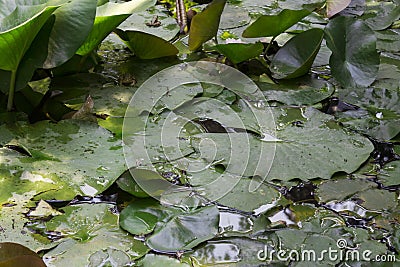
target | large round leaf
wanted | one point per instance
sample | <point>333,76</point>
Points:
<point>354,60</point>
<point>91,237</point>
<point>70,157</point>
<point>306,147</point>
<point>295,58</point>
<point>204,25</point>
<point>273,25</point>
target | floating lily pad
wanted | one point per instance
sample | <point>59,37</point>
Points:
<point>57,152</point>
<point>240,52</point>
<point>91,232</point>
<point>186,230</point>
<point>303,91</point>
<point>300,150</point>
<point>13,223</point>
<point>141,217</point>
<point>380,113</point>
<point>378,200</point>
<point>341,189</point>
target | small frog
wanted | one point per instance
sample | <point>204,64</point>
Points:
<point>154,22</point>
<point>127,79</point>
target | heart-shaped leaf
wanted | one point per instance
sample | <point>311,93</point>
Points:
<point>147,46</point>
<point>295,58</point>
<point>186,231</point>
<point>273,25</point>
<point>240,52</point>
<point>204,25</point>
<point>354,60</point>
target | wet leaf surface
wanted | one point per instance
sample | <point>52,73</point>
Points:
<point>354,62</point>
<point>54,165</point>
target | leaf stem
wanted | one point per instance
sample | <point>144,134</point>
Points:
<point>11,90</point>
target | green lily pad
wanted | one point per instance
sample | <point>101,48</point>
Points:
<point>354,60</point>
<point>385,14</point>
<point>108,99</point>
<point>388,40</point>
<point>341,189</point>
<point>204,25</point>
<point>378,200</point>
<point>390,174</point>
<point>186,230</point>
<point>147,46</point>
<point>57,152</point>
<point>379,115</point>
<point>91,235</point>
<point>240,52</point>
<point>300,150</point>
<point>234,16</point>
<point>304,91</point>
<point>273,25</point>
<point>142,216</point>
<point>295,58</point>
<point>14,223</point>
